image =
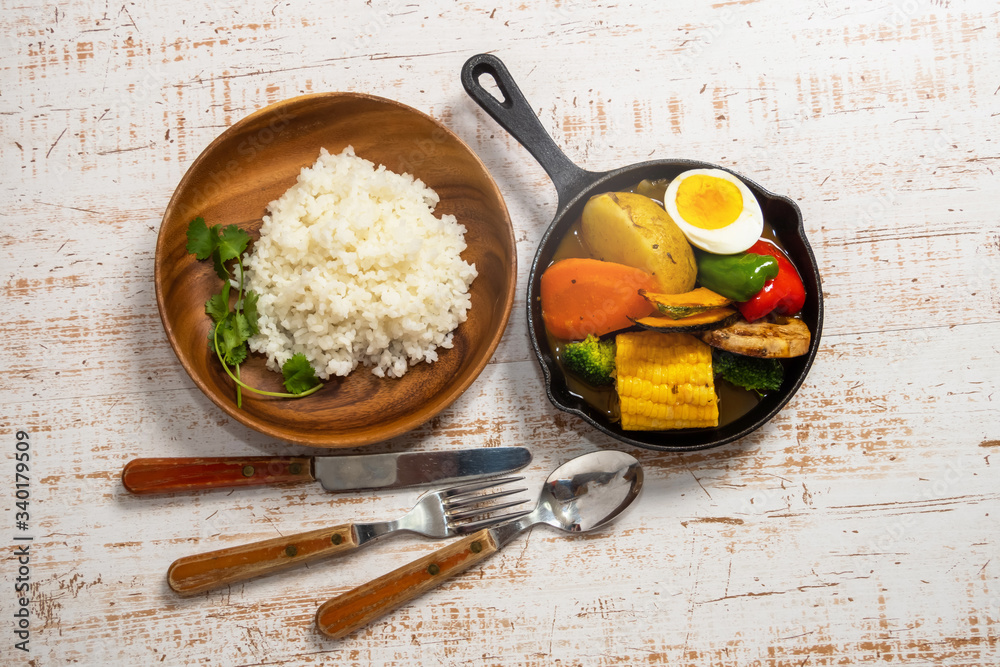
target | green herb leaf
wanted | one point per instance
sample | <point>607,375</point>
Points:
<point>237,355</point>
<point>233,242</point>
<point>242,326</point>
<point>218,306</point>
<point>229,335</point>
<point>299,375</point>
<point>220,268</point>
<point>250,310</point>
<point>202,241</point>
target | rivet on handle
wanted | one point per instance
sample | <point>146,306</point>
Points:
<point>433,569</point>
<point>248,471</point>
<point>337,538</point>
<point>476,546</point>
<point>291,550</point>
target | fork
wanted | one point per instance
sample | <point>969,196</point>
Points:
<point>457,510</point>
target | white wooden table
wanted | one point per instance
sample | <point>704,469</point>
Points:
<point>859,527</point>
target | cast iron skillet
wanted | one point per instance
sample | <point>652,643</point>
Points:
<point>575,186</point>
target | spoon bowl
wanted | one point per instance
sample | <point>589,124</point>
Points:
<point>581,495</point>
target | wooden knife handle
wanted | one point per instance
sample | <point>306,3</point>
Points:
<point>194,574</point>
<point>190,474</point>
<point>346,613</point>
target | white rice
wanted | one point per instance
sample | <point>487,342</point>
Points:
<point>352,267</point>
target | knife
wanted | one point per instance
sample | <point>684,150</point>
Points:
<point>335,473</point>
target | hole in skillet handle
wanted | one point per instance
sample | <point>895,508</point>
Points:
<point>493,88</point>
<point>490,66</point>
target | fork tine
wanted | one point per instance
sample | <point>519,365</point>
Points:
<point>476,526</point>
<point>472,487</point>
<point>456,517</point>
<point>459,502</point>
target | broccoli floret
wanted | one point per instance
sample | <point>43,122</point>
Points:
<point>751,373</point>
<point>591,359</point>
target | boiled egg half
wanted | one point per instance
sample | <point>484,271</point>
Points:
<point>715,210</point>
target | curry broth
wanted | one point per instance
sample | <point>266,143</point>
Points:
<point>734,402</point>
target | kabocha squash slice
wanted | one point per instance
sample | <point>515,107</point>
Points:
<point>709,319</point>
<point>684,305</point>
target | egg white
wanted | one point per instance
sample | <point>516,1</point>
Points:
<point>735,237</point>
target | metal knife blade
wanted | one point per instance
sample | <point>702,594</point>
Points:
<point>388,471</point>
<point>335,473</point>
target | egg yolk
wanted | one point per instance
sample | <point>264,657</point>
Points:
<point>708,202</point>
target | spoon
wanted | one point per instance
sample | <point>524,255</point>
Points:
<point>582,494</point>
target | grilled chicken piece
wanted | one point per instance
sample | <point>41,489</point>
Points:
<point>777,338</point>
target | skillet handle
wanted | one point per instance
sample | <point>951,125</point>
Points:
<point>515,115</point>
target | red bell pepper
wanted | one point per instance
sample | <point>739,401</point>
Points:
<point>784,294</point>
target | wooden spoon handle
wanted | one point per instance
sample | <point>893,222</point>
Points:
<point>194,574</point>
<point>346,613</point>
<point>189,474</point>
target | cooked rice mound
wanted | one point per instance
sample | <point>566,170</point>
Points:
<point>353,267</point>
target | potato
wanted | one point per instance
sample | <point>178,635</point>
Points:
<point>632,229</point>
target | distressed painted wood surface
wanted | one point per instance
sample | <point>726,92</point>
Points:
<point>859,527</point>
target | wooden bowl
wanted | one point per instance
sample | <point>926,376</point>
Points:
<point>258,159</point>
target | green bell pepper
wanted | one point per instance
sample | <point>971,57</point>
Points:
<point>738,277</point>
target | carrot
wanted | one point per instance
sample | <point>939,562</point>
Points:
<point>588,296</point>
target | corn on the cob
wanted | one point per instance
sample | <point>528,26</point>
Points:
<point>664,381</point>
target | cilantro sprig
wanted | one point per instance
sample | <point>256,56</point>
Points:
<point>234,326</point>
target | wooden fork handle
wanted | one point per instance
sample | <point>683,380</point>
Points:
<point>346,613</point>
<point>194,574</point>
<point>189,474</point>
